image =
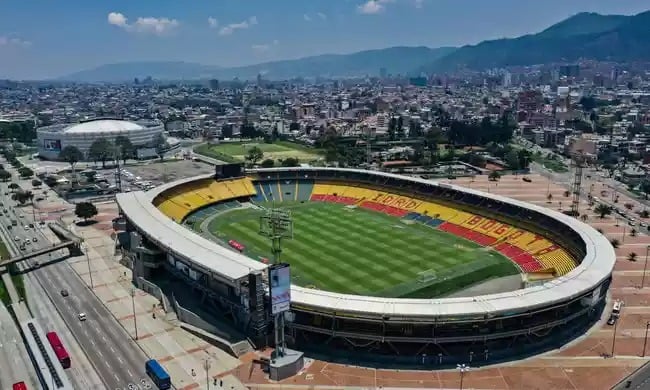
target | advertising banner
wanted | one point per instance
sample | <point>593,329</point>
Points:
<point>280,287</point>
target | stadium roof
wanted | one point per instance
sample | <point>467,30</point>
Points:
<point>596,266</point>
<point>103,125</point>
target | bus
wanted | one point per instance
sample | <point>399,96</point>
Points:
<point>59,351</point>
<point>19,386</point>
<point>158,374</point>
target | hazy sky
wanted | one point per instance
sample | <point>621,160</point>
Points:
<point>45,38</point>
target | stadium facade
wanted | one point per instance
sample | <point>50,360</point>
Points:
<point>441,331</point>
<point>52,139</point>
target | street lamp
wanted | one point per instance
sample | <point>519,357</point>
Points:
<point>645,266</point>
<point>90,272</point>
<point>462,368</point>
<point>135,322</point>
<point>645,340</point>
<point>614,338</point>
<point>206,366</point>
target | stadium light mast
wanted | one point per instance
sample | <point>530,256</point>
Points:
<point>277,224</point>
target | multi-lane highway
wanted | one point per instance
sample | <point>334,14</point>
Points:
<point>118,361</point>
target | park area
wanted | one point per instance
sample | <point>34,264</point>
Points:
<point>279,150</point>
<point>356,251</point>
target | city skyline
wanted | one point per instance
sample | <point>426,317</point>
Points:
<point>42,40</point>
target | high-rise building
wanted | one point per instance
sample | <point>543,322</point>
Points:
<point>214,84</point>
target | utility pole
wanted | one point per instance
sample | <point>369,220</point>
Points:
<point>135,322</point>
<point>614,338</point>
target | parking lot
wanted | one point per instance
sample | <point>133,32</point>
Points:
<point>156,173</point>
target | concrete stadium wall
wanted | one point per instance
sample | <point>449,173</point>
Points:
<point>154,290</point>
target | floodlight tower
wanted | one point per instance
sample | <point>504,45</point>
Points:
<point>577,160</point>
<point>277,224</point>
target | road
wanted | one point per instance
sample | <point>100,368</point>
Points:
<point>14,360</point>
<point>118,361</point>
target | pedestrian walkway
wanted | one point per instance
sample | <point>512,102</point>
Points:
<point>182,354</point>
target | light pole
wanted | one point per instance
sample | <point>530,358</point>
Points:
<point>135,322</point>
<point>90,272</point>
<point>206,366</point>
<point>462,368</point>
<point>645,340</point>
<point>614,338</point>
<point>645,266</point>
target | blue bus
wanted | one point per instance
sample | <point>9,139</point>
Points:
<point>158,374</point>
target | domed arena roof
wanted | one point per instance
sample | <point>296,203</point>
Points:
<point>103,126</point>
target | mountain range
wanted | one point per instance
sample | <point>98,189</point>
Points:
<point>396,60</point>
<point>583,36</point>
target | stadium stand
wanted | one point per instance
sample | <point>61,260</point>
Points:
<point>179,202</point>
<point>523,248</point>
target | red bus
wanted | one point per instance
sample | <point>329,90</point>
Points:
<point>19,386</point>
<point>57,346</point>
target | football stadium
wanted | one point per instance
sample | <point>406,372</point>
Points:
<point>384,268</point>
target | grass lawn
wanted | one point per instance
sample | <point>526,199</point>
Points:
<point>17,279</point>
<point>358,251</point>
<point>237,151</point>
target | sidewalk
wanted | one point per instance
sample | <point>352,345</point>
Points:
<point>181,353</point>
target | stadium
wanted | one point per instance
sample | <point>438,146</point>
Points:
<point>385,268</point>
<point>52,139</point>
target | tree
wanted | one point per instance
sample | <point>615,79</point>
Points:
<point>494,176</point>
<point>549,198</point>
<point>71,155</point>
<point>254,155</point>
<point>632,256</point>
<point>615,243</point>
<point>13,186</point>
<point>36,183</point>
<point>4,175</point>
<point>645,188</point>
<point>566,194</point>
<point>290,162</point>
<point>268,163</point>
<point>160,144</point>
<point>124,148</point>
<point>633,232</point>
<point>22,196</point>
<point>25,172</point>
<point>584,217</point>
<point>644,214</point>
<point>628,206</point>
<point>85,210</point>
<point>101,150</point>
<point>603,210</point>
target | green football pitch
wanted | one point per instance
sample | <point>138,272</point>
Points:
<point>357,251</point>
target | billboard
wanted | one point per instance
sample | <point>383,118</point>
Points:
<point>52,145</point>
<point>280,287</point>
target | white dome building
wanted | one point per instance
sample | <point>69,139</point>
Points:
<point>52,139</point>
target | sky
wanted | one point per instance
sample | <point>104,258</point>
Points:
<point>44,38</point>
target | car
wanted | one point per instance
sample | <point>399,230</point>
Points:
<point>21,216</point>
<point>31,225</point>
<point>64,293</point>
<point>16,238</point>
<point>8,227</point>
<point>26,227</point>
<point>36,264</point>
<point>82,316</point>
<point>34,239</point>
